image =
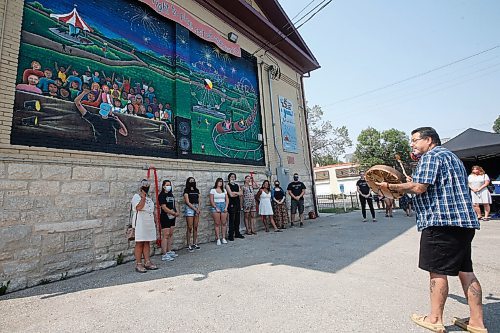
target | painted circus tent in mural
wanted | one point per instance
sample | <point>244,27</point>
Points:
<point>137,81</point>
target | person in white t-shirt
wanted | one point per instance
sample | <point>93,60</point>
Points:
<point>219,202</point>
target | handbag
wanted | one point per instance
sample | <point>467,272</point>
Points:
<point>490,186</point>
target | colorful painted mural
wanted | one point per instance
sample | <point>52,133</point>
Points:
<point>130,81</point>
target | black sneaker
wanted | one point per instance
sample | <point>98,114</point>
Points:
<point>301,224</point>
<point>191,248</point>
<point>230,238</point>
<point>239,236</point>
<point>292,225</point>
<point>196,247</point>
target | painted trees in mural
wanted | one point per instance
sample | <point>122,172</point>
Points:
<point>92,77</point>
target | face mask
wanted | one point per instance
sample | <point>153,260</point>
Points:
<point>192,184</point>
<point>167,188</point>
<point>145,189</point>
<point>276,185</point>
<point>296,178</point>
<point>231,182</point>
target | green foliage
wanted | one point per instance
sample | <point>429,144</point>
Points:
<point>119,259</point>
<point>337,210</point>
<point>326,140</point>
<point>3,287</point>
<point>496,125</point>
<point>376,147</point>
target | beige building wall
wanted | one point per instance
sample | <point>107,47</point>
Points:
<point>64,212</point>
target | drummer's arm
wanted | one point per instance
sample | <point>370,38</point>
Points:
<point>411,187</point>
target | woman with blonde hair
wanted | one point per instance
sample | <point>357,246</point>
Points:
<point>478,182</point>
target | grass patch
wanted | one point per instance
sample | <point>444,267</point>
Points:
<point>337,210</point>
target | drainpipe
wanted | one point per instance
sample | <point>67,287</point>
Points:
<point>313,187</point>
<point>4,16</point>
<point>271,98</point>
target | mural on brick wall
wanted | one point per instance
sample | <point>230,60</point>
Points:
<point>131,81</point>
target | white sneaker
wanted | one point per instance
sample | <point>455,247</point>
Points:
<point>224,241</point>
<point>172,254</point>
<point>218,242</point>
<point>166,257</point>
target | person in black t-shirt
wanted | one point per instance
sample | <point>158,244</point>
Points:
<point>296,190</point>
<point>168,213</point>
<point>365,196</point>
<point>234,192</point>
<point>105,125</point>
<point>192,212</point>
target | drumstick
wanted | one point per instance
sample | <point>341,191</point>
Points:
<point>398,158</point>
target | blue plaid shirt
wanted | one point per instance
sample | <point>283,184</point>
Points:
<point>447,201</point>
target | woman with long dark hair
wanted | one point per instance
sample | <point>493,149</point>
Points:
<point>168,213</point>
<point>219,202</point>
<point>192,213</point>
<point>265,207</point>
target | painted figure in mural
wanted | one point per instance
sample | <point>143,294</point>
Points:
<point>192,213</point>
<point>44,81</point>
<point>234,209</point>
<point>35,69</point>
<point>278,196</point>
<point>143,221</point>
<point>62,72</point>
<point>52,90</point>
<point>249,204</point>
<point>92,100</point>
<point>105,125</point>
<point>168,213</point>
<point>297,190</point>
<point>265,206</point>
<point>31,85</point>
<point>219,202</point>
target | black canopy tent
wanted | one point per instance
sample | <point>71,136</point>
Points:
<point>475,147</point>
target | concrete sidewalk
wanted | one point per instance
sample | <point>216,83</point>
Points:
<point>336,274</point>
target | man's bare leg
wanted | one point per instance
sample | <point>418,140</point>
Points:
<point>439,294</point>
<point>474,294</point>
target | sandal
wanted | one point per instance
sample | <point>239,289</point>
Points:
<point>150,266</point>
<point>139,268</point>
<point>464,324</point>
<point>420,321</point>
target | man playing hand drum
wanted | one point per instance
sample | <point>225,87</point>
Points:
<point>447,221</point>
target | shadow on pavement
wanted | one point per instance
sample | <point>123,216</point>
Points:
<point>326,244</point>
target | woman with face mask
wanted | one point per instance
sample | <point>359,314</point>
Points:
<point>168,213</point>
<point>265,207</point>
<point>192,213</point>
<point>279,206</point>
<point>143,220</point>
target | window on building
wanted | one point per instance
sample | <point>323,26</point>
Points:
<point>322,175</point>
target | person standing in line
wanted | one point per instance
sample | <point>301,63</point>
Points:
<point>143,221</point>
<point>249,205</point>
<point>192,213</point>
<point>365,196</point>
<point>219,202</point>
<point>478,182</point>
<point>265,207</point>
<point>278,197</point>
<point>447,222</point>
<point>168,214</point>
<point>297,190</point>
<point>234,192</point>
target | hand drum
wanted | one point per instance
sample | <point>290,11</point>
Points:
<point>384,173</point>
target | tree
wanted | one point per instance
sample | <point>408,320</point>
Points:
<point>496,125</point>
<point>376,147</point>
<point>327,142</point>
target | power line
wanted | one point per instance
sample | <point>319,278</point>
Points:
<point>288,26</point>
<point>412,77</point>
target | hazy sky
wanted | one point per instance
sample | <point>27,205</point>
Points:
<point>363,45</point>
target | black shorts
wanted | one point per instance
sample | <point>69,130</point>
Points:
<point>446,250</point>
<point>297,204</point>
<point>166,222</point>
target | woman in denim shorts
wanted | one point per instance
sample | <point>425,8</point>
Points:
<point>219,201</point>
<point>192,213</point>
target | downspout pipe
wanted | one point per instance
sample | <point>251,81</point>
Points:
<point>313,187</point>
<point>271,99</point>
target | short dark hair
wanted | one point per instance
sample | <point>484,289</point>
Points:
<point>231,174</point>
<point>428,132</point>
